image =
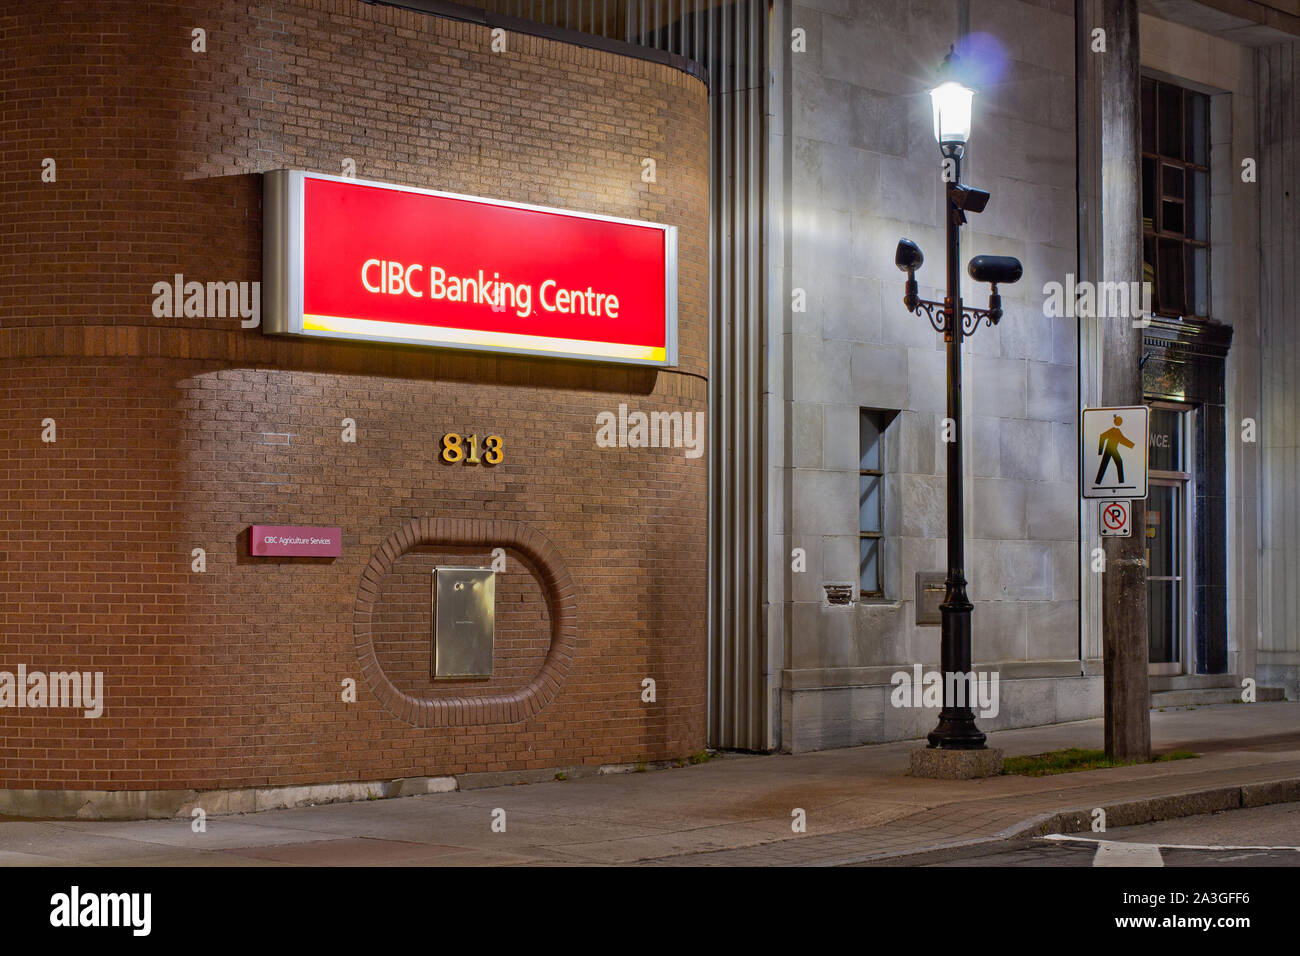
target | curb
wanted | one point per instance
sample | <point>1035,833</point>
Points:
<point>1127,813</point>
<point>1152,809</point>
<point>171,804</point>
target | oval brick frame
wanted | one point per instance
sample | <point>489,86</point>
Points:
<point>494,708</point>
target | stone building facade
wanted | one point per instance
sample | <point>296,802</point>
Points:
<point>862,171</point>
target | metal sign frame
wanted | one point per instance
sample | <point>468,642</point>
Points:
<point>1136,422</point>
<point>284,243</point>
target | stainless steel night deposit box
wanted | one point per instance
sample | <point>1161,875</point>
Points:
<point>464,605</point>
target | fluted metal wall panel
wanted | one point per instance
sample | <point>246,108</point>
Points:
<point>736,58</point>
<point>1278,105</point>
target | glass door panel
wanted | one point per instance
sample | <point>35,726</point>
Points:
<point>1165,571</point>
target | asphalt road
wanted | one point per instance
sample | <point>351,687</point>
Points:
<point>1263,836</point>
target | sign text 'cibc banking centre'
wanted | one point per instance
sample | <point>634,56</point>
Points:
<point>345,258</point>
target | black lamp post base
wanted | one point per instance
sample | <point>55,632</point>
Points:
<point>957,731</point>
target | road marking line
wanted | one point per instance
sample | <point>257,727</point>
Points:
<point>1127,854</point>
<point>1168,846</point>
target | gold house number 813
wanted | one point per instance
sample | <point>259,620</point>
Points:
<point>455,449</point>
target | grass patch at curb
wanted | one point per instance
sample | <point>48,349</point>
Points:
<point>1073,759</point>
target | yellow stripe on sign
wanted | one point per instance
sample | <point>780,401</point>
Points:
<point>437,334</point>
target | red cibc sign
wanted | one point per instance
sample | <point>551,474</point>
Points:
<point>268,541</point>
<point>350,259</point>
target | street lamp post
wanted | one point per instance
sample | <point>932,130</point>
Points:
<point>951,102</point>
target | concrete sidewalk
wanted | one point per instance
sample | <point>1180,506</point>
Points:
<point>734,810</point>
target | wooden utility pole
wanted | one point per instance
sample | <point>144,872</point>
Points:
<point>1124,583</point>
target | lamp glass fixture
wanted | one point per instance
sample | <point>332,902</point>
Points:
<point>952,103</point>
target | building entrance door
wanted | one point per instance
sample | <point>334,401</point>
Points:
<point>1167,535</point>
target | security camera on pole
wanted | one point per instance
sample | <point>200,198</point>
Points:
<point>956,746</point>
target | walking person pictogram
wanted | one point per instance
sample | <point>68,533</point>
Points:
<point>1108,443</point>
<point>1105,437</point>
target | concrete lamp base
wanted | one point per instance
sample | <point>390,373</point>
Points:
<point>938,764</point>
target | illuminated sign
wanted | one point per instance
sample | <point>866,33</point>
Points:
<point>350,259</point>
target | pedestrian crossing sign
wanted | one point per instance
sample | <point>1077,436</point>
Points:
<point>1114,453</point>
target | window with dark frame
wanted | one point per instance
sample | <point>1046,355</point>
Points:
<point>871,500</point>
<point>1176,198</point>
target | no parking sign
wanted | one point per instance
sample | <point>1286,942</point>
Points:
<point>1115,517</point>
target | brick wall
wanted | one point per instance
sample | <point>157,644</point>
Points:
<point>176,434</point>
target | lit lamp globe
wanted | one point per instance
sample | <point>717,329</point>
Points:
<point>951,102</point>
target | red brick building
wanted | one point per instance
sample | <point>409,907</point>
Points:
<point>173,434</point>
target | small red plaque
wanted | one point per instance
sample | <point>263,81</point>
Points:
<point>270,541</point>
